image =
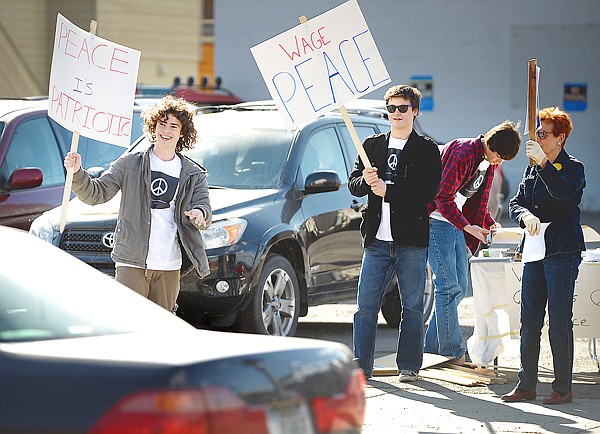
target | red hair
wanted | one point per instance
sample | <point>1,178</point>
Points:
<point>560,120</point>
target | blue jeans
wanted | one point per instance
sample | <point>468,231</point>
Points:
<point>380,260</point>
<point>550,280</point>
<point>449,263</point>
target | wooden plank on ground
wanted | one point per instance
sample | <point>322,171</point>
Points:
<point>436,367</point>
<point>386,365</point>
<point>436,374</point>
<point>478,371</point>
<point>480,379</point>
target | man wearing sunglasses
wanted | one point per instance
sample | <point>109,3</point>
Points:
<point>460,219</point>
<point>395,231</point>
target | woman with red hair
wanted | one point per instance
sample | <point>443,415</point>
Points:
<point>547,206</point>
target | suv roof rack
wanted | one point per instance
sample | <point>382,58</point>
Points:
<point>25,98</point>
<point>365,107</point>
<point>265,105</point>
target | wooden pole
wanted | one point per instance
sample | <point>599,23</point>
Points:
<point>357,144</point>
<point>74,145</point>
<point>532,101</point>
<point>355,139</point>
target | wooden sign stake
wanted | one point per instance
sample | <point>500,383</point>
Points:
<point>74,145</point>
<point>532,101</point>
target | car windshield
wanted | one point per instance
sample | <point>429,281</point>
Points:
<point>1,128</point>
<point>250,158</point>
<point>236,154</point>
<point>46,293</point>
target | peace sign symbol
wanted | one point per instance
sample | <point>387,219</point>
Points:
<point>393,161</point>
<point>159,186</point>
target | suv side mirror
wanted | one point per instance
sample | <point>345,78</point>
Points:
<point>26,177</point>
<point>321,182</point>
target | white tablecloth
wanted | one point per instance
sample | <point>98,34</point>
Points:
<point>497,297</point>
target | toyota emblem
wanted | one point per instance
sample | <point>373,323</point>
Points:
<point>108,239</point>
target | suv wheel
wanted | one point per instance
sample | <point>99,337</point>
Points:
<point>391,308</point>
<point>275,305</point>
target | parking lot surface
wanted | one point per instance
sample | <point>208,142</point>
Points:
<point>434,406</point>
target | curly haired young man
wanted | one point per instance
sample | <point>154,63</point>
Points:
<point>164,203</point>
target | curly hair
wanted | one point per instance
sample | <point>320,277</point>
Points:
<point>177,107</point>
<point>560,120</point>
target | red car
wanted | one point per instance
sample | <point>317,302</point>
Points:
<point>198,95</point>
<point>32,149</point>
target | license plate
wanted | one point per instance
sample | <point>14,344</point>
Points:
<point>293,419</point>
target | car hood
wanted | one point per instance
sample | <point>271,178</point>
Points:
<point>222,200</point>
<point>181,347</point>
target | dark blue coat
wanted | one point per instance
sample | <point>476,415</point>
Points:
<point>553,194</point>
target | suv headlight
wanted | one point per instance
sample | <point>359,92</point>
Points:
<point>42,228</point>
<point>223,233</point>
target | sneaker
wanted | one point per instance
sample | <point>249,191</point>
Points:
<point>408,376</point>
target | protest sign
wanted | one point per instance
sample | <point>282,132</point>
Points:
<point>92,84</point>
<point>92,89</point>
<point>321,64</point>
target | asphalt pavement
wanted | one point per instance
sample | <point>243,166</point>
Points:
<point>435,406</point>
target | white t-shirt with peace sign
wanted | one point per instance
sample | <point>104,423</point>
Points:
<point>164,252</point>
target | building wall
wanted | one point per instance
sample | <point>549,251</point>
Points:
<point>24,67</point>
<point>167,34</point>
<point>475,51</point>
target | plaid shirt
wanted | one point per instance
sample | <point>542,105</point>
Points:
<point>460,159</point>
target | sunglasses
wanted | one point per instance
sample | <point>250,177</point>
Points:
<point>541,134</point>
<point>402,108</point>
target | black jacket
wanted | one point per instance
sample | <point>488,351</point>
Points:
<point>417,182</point>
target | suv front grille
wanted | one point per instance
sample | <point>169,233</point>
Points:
<point>87,245</point>
<point>81,240</point>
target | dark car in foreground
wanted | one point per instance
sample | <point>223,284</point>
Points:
<point>32,148</point>
<point>285,232</point>
<point>80,353</point>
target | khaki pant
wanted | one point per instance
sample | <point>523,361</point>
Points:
<point>162,287</point>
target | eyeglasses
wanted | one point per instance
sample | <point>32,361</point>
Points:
<point>402,108</point>
<point>541,134</point>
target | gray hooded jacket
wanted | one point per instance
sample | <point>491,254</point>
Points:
<point>130,173</point>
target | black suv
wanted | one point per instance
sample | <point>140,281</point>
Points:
<point>285,232</point>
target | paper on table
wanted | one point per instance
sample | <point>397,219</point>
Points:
<point>592,255</point>
<point>510,235</point>
<point>534,248</point>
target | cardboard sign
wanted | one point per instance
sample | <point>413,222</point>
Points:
<point>586,299</point>
<point>497,297</point>
<point>321,64</point>
<point>92,84</point>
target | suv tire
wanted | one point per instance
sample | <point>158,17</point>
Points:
<point>391,308</point>
<point>276,302</point>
